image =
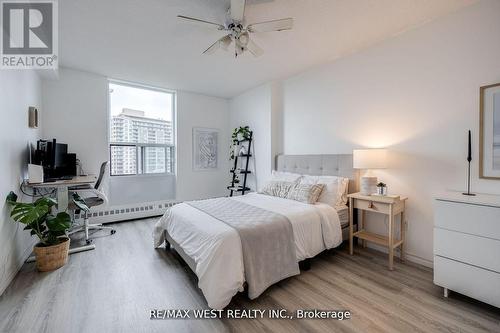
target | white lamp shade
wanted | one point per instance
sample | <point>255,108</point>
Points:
<point>369,158</point>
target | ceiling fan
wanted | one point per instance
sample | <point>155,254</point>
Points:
<point>238,32</point>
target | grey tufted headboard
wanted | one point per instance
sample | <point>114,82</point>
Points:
<point>317,165</point>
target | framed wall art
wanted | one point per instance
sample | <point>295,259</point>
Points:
<point>205,148</point>
<point>489,127</point>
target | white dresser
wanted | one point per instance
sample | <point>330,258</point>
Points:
<point>467,245</point>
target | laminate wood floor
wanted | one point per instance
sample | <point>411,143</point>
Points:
<point>113,288</point>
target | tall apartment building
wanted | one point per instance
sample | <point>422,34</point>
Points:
<point>131,126</point>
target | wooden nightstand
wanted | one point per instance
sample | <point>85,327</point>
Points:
<point>388,205</point>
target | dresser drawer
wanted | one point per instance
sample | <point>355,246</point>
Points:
<point>475,250</point>
<point>379,207</point>
<point>472,281</point>
<point>472,219</point>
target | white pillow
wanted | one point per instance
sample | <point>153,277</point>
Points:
<point>277,188</point>
<point>306,193</point>
<point>335,191</point>
<point>285,176</point>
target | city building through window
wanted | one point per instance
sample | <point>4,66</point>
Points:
<point>141,130</point>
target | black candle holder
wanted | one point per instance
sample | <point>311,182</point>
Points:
<point>468,182</point>
<point>469,159</point>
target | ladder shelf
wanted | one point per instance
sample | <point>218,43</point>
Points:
<point>235,187</point>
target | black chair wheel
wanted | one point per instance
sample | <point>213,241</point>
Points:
<point>88,241</point>
<point>113,231</point>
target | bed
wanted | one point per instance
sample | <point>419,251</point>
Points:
<point>218,253</point>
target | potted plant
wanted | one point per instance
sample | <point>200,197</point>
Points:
<point>51,251</point>
<point>381,189</point>
<point>239,134</point>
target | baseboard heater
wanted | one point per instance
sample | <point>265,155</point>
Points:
<point>128,212</point>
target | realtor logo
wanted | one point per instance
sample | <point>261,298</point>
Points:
<point>29,34</point>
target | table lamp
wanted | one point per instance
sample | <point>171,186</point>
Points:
<point>369,159</point>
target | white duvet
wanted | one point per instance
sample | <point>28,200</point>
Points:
<point>215,247</point>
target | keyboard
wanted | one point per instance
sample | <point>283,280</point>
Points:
<point>51,180</point>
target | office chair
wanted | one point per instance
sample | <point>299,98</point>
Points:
<point>98,198</point>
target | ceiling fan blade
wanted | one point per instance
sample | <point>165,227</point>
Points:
<point>237,10</point>
<point>223,43</point>
<point>254,49</point>
<point>201,22</point>
<point>275,25</point>
<point>212,48</point>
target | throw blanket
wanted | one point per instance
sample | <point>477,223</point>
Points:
<point>266,239</point>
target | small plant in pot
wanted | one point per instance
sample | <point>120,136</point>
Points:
<point>51,251</point>
<point>239,134</point>
<point>381,189</point>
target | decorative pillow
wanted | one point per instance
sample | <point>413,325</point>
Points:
<point>307,193</point>
<point>285,176</point>
<point>335,190</point>
<point>277,188</point>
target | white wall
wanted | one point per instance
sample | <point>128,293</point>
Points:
<point>253,109</point>
<point>416,94</point>
<point>277,130</point>
<point>260,108</point>
<point>76,107</point>
<point>77,114</point>
<point>18,90</point>
<point>194,110</point>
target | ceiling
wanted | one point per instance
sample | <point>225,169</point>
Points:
<point>142,41</point>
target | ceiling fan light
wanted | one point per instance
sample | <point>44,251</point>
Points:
<point>244,39</point>
<point>238,30</point>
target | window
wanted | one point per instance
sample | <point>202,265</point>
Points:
<point>141,130</point>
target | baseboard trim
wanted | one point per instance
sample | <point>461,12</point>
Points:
<point>19,264</point>
<point>409,257</point>
<point>128,212</point>
<point>418,260</point>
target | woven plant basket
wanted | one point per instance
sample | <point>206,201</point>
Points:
<point>49,258</point>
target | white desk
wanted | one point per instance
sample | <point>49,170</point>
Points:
<point>61,187</point>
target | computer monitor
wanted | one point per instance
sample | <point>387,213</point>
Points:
<point>55,159</point>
